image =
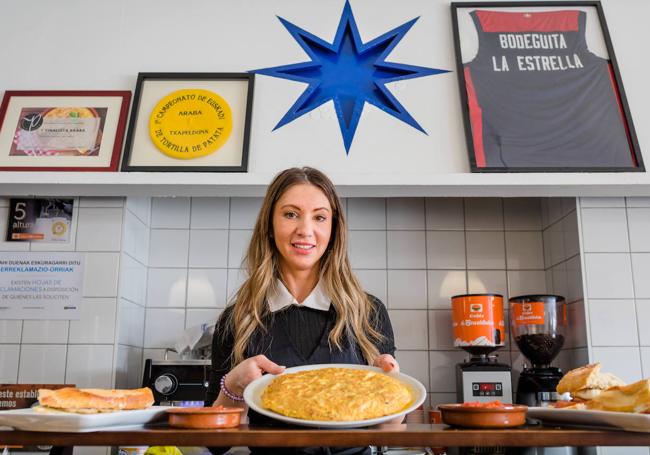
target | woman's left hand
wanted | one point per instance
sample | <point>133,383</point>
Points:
<point>387,363</point>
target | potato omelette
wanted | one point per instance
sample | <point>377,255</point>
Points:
<point>340,394</point>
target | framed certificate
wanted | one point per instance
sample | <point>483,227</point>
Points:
<point>541,90</point>
<point>41,220</point>
<point>190,122</point>
<point>62,130</point>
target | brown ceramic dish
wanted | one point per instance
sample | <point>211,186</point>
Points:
<point>506,416</point>
<point>214,417</point>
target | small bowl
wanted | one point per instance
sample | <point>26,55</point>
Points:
<point>204,418</point>
<point>506,416</point>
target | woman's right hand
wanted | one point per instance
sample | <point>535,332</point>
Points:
<point>249,370</point>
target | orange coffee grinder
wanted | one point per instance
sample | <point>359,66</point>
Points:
<point>479,329</point>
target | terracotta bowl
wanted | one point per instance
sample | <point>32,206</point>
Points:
<point>506,416</point>
<point>214,417</point>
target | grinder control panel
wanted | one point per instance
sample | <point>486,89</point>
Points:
<point>485,384</point>
<point>487,389</point>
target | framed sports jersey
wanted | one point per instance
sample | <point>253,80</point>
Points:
<point>541,90</point>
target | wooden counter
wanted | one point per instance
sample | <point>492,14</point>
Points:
<point>387,435</point>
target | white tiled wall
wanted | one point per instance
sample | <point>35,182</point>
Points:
<point>158,266</point>
<point>177,262</point>
<point>133,289</point>
<point>412,253</point>
<point>617,272</point>
<point>561,243</point>
<point>82,351</point>
<point>188,265</point>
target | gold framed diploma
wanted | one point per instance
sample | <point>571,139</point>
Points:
<point>190,122</point>
<point>62,130</point>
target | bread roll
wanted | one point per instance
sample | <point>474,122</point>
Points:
<point>587,382</point>
<point>629,398</point>
<point>89,401</point>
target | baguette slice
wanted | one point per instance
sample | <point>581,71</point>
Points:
<point>71,399</point>
<point>587,382</point>
<point>630,398</point>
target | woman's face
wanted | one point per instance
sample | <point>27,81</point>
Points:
<point>302,227</point>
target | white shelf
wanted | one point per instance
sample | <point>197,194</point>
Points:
<point>349,185</point>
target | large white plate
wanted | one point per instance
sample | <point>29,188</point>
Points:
<point>600,419</point>
<point>253,397</point>
<point>31,420</point>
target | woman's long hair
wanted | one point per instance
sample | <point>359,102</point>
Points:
<point>354,310</point>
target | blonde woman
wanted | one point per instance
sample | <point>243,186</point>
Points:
<point>301,303</point>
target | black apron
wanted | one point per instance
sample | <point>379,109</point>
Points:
<point>278,346</point>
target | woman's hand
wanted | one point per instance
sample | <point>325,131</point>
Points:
<point>387,363</point>
<point>249,370</point>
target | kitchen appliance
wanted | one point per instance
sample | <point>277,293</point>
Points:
<point>538,324</point>
<point>479,329</point>
<point>177,382</point>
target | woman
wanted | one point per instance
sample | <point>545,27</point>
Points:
<point>301,304</point>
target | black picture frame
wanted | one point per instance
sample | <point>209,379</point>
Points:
<point>497,156</point>
<point>138,152</point>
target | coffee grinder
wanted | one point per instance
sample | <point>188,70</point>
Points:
<point>479,329</point>
<point>538,324</point>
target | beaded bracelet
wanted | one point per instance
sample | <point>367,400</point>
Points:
<point>228,393</point>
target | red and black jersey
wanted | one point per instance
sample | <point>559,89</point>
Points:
<point>539,98</point>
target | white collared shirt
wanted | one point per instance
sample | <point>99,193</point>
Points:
<point>282,298</point>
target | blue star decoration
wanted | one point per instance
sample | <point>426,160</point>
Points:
<point>348,72</point>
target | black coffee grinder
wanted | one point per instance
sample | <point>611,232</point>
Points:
<point>538,324</point>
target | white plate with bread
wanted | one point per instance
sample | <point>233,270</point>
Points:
<point>599,400</point>
<point>82,410</point>
<point>628,421</point>
<point>32,420</point>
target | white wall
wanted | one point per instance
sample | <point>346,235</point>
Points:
<point>104,347</point>
<point>617,277</point>
<point>132,292</point>
<point>564,275</point>
<point>616,264</point>
<point>413,254</point>
<point>180,264</point>
<point>93,44</point>
<point>82,352</point>
<point>77,352</point>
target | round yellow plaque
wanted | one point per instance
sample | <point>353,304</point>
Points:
<point>190,123</point>
<point>59,228</point>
